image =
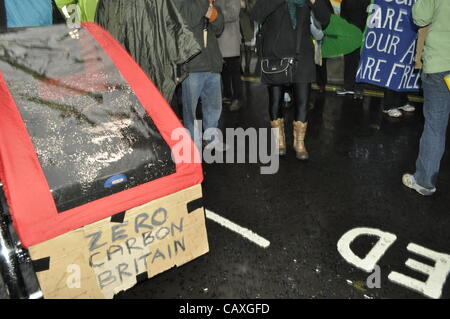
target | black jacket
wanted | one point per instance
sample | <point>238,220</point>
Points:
<point>58,18</point>
<point>210,59</point>
<point>279,39</point>
<point>246,23</point>
<point>355,12</point>
<point>329,5</point>
<point>154,33</point>
<point>2,14</point>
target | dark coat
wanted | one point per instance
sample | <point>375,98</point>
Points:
<point>279,39</point>
<point>210,59</point>
<point>329,5</point>
<point>58,18</point>
<point>246,23</point>
<point>355,12</point>
<point>2,14</point>
<point>154,33</point>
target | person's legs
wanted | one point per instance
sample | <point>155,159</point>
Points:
<point>436,110</point>
<point>389,99</point>
<point>392,103</point>
<point>403,98</point>
<point>276,94</point>
<point>322,75</point>
<point>404,103</point>
<point>227,78</point>
<point>176,102</point>
<point>301,99</point>
<point>350,69</point>
<point>192,87</point>
<point>275,102</point>
<point>235,71</point>
<point>351,62</point>
<point>258,65</point>
<point>248,58</point>
<point>211,101</point>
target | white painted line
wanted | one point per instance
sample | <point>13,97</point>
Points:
<point>244,232</point>
<point>36,295</point>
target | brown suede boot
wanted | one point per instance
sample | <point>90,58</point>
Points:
<point>299,140</point>
<point>279,124</point>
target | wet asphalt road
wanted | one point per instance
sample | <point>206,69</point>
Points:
<point>353,179</point>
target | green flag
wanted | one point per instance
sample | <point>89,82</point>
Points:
<point>340,38</point>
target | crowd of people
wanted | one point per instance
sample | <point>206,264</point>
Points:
<point>207,45</point>
<point>284,43</point>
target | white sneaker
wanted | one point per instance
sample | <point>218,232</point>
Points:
<point>393,112</point>
<point>409,181</point>
<point>343,92</point>
<point>407,108</point>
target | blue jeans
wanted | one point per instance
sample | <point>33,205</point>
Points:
<point>436,109</point>
<point>208,87</point>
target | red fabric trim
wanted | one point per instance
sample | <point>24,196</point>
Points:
<point>31,204</point>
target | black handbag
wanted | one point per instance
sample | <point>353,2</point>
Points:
<point>279,71</point>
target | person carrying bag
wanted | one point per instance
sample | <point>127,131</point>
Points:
<point>287,52</point>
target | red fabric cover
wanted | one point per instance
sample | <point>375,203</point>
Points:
<point>31,204</point>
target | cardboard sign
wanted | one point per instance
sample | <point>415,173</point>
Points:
<point>388,54</point>
<point>112,255</point>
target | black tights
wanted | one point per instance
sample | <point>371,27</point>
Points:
<point>301,97</point>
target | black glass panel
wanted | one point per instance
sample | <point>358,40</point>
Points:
<point>92,136</point>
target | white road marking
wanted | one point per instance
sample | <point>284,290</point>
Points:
<point>437,275</point>
<point>36,295</point>
<point>244,232</point>
<point>385,240</point>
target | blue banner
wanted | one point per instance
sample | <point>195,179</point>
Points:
<point>28,13</point>
<point>388,54</point>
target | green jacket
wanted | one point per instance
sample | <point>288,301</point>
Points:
<point>87,8</point>
<point>436,56</point>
